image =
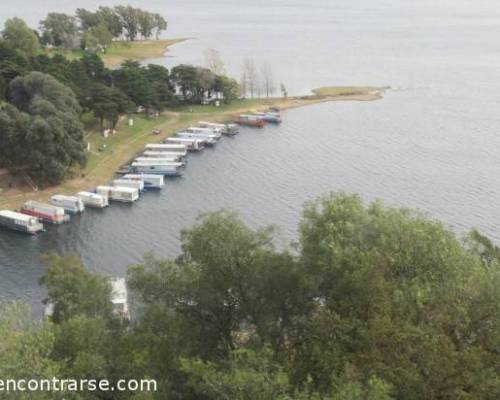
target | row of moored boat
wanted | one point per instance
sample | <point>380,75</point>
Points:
<point>146,171</point>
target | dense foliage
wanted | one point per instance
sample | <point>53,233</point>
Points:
<point>94,30</point>
<point>195,83</point>
<point>41,133</point>
<point>371,303</point>
<point>44,98</point>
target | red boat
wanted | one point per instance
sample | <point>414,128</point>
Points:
<point>45,212</point>
<point>251,120</point>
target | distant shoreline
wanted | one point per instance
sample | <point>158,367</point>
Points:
<point>101,167</point>
<point>120,51</point>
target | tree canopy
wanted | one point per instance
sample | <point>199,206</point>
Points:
<point>371,303</point>
<point>40,131</point>
<point>45,96</point>
<point>18,36</point>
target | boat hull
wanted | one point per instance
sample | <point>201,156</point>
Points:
<point>256,124</point>
<point>56,220</point>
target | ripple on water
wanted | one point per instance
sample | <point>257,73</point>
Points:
<point>268,174</point>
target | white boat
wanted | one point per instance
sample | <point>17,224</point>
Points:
<point>158,161</point>
<point>119,298</point>
<point>169,169</point>
<point>163,154</point>
<point>202,133</point>
<point>178,148</point>
<point>226,129</point>
<point>135,184</point>
<point>20,222</point>
<point>216,132</point>
<point>251,120</point>
<point>117,193</point>
<point>93,199</point>
<point>152,160</point>
<point>70,204</point>
<point>272,117</point>
<point>208,138</point>
<point>150,181</point>
<point>191,144</point>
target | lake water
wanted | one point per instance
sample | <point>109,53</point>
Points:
<point>433,142</point>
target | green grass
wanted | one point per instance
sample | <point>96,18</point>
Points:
<point>210,109</point>
<point>120,51</point>
<point>142,126</point>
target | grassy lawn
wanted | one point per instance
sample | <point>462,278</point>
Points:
<point>120,51</point>
<point>125,134</point>
<point>224,108</point>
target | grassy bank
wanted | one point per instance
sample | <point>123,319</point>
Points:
<point>120,51</point>
<point>346,90</point>
<point>128,141</point>
<point>137,51</point>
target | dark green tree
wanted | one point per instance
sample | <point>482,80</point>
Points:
<point>132,80</point>
<point>19,36</point>
<point>160,25</point>
<point>108,104</point>
<point>73,291</point>
<point>88,19</point>
<point>394,289</point>
<point>60,30</point>
<point>129,19</point>
<point>53,141</point>
<point>229,88</point>
<point>112,21</point>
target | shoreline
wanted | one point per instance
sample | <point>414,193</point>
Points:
<point>120,51</point>
<point>138,51</point>
<point>102,167</point>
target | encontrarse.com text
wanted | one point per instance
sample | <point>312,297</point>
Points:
<point>77,385</point>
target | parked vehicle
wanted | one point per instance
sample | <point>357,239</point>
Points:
<point>117,193</point>
<point>45,212</point>
<point>20,222</point>
<point>71,204</point>
<point>90,199</point>
<point>251,120</point>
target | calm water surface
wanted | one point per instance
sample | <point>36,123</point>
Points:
<point>433,142</point>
